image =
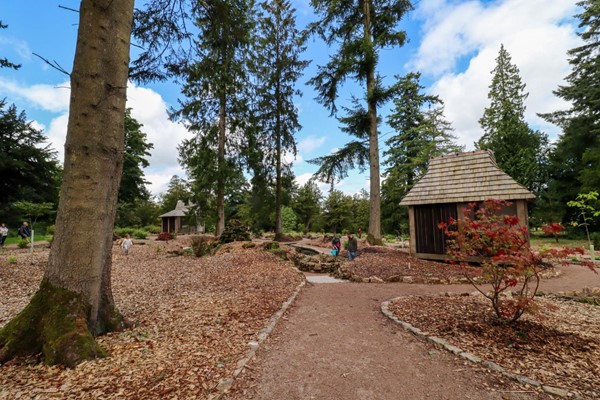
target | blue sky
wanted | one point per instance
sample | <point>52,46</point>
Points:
<point>453,43</point>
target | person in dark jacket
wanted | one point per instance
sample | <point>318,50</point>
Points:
<point>24,231</point>
<point>352,247</point>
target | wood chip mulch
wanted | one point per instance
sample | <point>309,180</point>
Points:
<point>389,264</point>
<point>558,346</point>
<point>192,321</point>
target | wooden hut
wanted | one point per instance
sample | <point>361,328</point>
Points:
<point>172,221</point>
<point>450,183</point>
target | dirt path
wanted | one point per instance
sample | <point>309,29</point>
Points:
<point>336,344</point>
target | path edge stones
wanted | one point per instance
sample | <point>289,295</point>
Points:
<point>225,384</point>
<point>472,357</point>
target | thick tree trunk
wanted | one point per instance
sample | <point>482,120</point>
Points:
<point>374,235</point>
<point>75,298</point>
<point>221,168</point>
<point>278,186</point>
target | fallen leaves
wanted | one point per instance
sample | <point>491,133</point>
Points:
<point>192,321</point>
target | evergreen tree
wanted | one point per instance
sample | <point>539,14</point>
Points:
<point>575,160</point>
<point>134,196</point>
<point>74,302</point>
<point>216,83</point>
<point>519,151</point>
<point>337,211</point>
<point>361,29</point>
<point>307,204</point>
<point>178,189</point>
<point>4,62</point>
<point>421,132</point>
<point>276,67</point>
<point>29,170</point>
<point>133,185</point>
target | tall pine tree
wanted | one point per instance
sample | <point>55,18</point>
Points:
<point>519,151</point>
<point>277,67</point>
<point>575,160</point>
<point>360,29</point>
<point>421,132</point>
<point>216,82</point>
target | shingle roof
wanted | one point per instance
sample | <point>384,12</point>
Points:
<point>180,210</point>
<point>464,177</point>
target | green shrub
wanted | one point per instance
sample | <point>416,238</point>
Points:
<point>596,240</point>
<point>153,229</point>
<point>140,234</point>
<point>235,231</point>
<point>270,246</point>
<point>188,251</point>
<point>50,230</point>
<point>23,244</point>
<point>12,260</point>
<point>203,245</point>
<point>121,232</point>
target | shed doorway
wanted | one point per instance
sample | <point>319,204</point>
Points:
<point>430,239</point>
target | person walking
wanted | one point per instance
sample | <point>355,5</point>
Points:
<point>127,243</point>
<point>24,231</point>
<point>336,244</point>
<point>352,247</point>
<point>3,234</point>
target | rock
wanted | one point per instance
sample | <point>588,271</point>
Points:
<point>395,278</point>
<point>434,280</point>
<point>356,278</point>
<point>408,279</point>
<point>375,279</point>
<point>555,391</point>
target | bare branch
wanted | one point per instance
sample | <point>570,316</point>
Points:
<point>53,64</point>
<point>68,8</point>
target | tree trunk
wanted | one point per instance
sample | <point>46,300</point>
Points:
<point>221,168</point>
<point>75,298</point>
<point>278,185</point>
<point>374,235</point>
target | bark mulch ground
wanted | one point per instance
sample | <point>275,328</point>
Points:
<point>193,318</point>
<point>192,321</point>
<point>559,345</point>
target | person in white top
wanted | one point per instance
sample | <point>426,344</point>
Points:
<point>127,243</point>
<point>3,234</point>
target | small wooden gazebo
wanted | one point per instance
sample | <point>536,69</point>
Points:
<point>450,183</point>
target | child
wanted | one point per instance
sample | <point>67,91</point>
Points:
<point>336,244</point>
<point>127,243</point>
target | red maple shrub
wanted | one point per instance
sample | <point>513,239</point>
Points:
<point>164,236</point>
<point>502,248</point>
<point>553,229</point>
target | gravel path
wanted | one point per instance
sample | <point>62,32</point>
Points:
<point>336,344</point>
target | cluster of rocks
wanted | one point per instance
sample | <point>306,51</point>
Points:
<point>315,262</point>
<point>585,295</point>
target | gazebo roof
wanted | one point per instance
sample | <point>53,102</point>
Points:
<point>465,177</point>
<point>180,210</point>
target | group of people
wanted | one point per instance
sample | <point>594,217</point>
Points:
<point>352,246</point>
<point>24,232</point>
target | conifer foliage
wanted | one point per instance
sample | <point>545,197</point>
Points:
<point>360,30</point>
<point>519,151</point>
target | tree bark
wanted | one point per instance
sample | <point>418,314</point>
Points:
<point>78,278</point>
<point>278,185</point>
<point>221,168</point>
<point>374,234</point>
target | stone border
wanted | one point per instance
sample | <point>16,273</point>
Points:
<point>225,384</point>
<point>471,357</point>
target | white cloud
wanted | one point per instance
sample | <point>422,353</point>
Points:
<point>461,42</point>
<point>311,143</point>
<point>148,108</point>
<point>19,46</point>
<point>159,178</point>
<point>45,97</point>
